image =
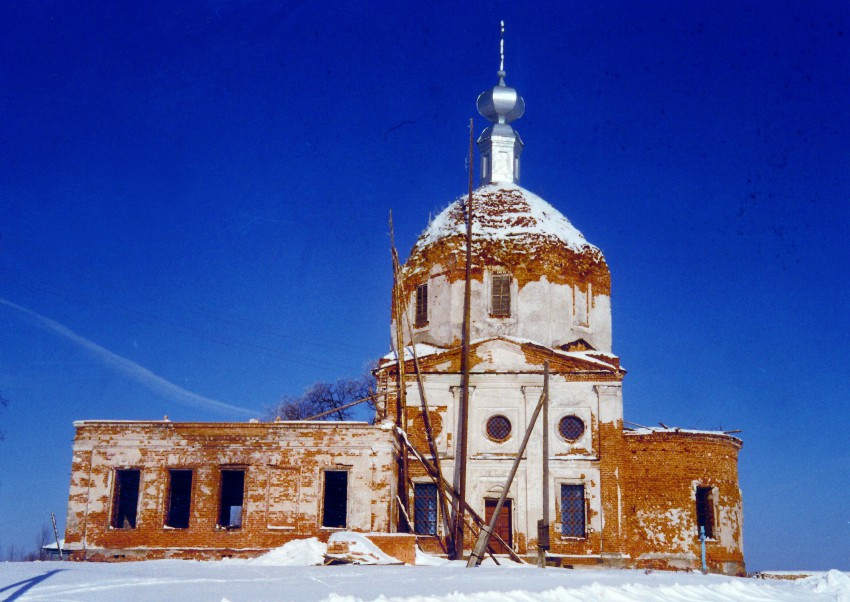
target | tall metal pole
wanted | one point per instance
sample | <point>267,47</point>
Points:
<point>463,410</point>
<point>543,526</point>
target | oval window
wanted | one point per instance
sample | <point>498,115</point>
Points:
<point>571,428</point>
<point>498,428</point>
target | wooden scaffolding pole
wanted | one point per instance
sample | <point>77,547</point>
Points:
<point>487,532</point>
<point>372,397</point>
<point>543,524</point>
<point>458,507</point>
<point>401,398</point>
<point>432,472</point>
<point>429,431</point>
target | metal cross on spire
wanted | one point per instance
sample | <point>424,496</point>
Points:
<point>501,73</point>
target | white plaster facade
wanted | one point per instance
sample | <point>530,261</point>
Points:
<point>545,312</point>
<point>505,382</point>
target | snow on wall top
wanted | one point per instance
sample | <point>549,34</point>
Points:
<point>505,211</point>
<point>421,351</point>
<point>651,430</point>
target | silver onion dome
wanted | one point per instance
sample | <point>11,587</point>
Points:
<point>501,103</point>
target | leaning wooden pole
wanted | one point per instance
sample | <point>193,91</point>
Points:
<point>463,410</point>
<point>487,532</point>
<point>470,520</point>
<point>429,432</point>
<point>432,472</point>
<point>56,536</point>
<point>372,397</point>
<point>401,397</point>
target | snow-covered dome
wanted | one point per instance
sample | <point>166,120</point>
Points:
<point>505,211</point>
<point>514,230</point>
<point>533,275</point>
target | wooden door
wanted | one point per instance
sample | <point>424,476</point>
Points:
<point>503,525</point>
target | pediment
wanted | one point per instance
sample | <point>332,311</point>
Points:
<point>497,355</point>
<point>577,345</point>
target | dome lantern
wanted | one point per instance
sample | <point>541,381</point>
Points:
<point>500,145</point>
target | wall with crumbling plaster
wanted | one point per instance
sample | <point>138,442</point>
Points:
<point>640,486</point>
<point>507,380</point>
<point>661,470</point>
<point>284,464</point>
<point>550,313</point>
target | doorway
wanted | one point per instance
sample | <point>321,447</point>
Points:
<point>503,528</point>
<point>336,499</point>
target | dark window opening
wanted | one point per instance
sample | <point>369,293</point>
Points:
<point>705,511</point>
<point>425,508</point>
<point>179,498</point>
<point>125,499</point>
<point>572,510</point>
<point>501,298</point>
<point>422,305</point>
<point>336,499</point>
<point>232,497</point>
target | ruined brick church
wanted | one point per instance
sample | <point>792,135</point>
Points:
<point>539,296</point>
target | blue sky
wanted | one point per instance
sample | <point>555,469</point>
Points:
<point>194,201</point>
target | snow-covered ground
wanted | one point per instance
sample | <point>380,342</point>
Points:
<point>238,581</point>
<point>290,573</point>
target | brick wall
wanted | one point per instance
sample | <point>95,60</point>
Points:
<point>284,466</point>
<point>641,492</point>
<point>398,545</point>
<point>659,476</point>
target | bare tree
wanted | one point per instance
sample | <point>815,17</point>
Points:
<point>12,553</point>
<point>43,538</point>
<point>17,553</point>
<point>324,397</point>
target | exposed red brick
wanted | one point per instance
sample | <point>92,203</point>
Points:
<point>283,484</point>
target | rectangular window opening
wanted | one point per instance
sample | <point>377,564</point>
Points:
<point>335,506</point>
<point>572,511</point>
<point>125,498</point>
<point>705,510</point>
<point>179,498</point>
<point>425,508</point>
<point>422,304</point>
<point>501,295</point>
<point>232,498</point>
